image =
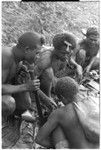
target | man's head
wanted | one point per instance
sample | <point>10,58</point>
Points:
<point>92,35</point>
<point>30,43</point>
<point>64,44</point>
<point>66,89</point>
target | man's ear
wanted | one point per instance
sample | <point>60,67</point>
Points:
<point>42,39</point>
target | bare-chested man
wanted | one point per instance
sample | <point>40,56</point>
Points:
<point>88,50</point>
<point>29,44</point>
<point>76,124</point>
<point>64,45</point>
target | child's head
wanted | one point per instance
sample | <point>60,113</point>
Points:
<point>66,89</point>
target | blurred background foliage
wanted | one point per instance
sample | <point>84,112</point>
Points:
<point>47,18</point>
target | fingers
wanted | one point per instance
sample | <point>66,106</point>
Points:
<point>36,81</point>
<point>36,84</point>
<point>33,85</point>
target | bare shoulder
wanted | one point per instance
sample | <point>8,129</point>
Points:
<point>44,59</point>
<point>46,51</point>
<point>58,112</point>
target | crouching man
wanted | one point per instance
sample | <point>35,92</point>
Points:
<point>28,45</point>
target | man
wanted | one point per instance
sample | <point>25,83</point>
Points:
<point>29,44</point>
<point>74,120</point>
<point>64,46</point>
<point>88,49</point>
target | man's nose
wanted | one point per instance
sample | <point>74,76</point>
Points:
<point>67,49</point>
<point>68,46</point>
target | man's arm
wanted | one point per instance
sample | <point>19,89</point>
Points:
<point>46,100</point>
<point>73,62</point>
<point>87,69</point>
<point>32,85</point>
<point>45,131</point>
<point>77,66</point>
<point>10,89</point>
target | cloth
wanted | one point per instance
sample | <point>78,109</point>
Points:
<point>88,113</point>
<point>10,132</point>
<point>26,140</point>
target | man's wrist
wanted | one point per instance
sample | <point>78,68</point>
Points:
<point>24,87</point>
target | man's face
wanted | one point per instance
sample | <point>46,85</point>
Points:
<point>92,39</point>
<point>31,54</point>
<point>65,51</point>
<point>64,100</point>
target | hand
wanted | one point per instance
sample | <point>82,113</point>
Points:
<point>53,103</point>
<point>33,85</point>
<point>87,69</point>
<point>79,72</point>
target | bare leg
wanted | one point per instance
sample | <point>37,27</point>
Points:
<point>23,101</point>
<point>46,81</point>
<point>8,105</point>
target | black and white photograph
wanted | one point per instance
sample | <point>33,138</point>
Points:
<point>50,74</point>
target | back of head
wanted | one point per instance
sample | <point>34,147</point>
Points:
<point>59,40</point>
<point>92,31</point>
<point>31,40</point>
<point>67,87</point>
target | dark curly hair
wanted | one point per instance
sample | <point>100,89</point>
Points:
<point>30,39</point>
<point>92,31</point>
<point>59,39</point>
<point>67,87</point>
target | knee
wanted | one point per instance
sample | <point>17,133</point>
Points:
<point>81,55</point>
<point>8,105</point>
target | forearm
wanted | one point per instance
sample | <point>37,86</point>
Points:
<point>73,62</point>
<point>11,89</point>
<point>45,99</point>
<point>91,62</point>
